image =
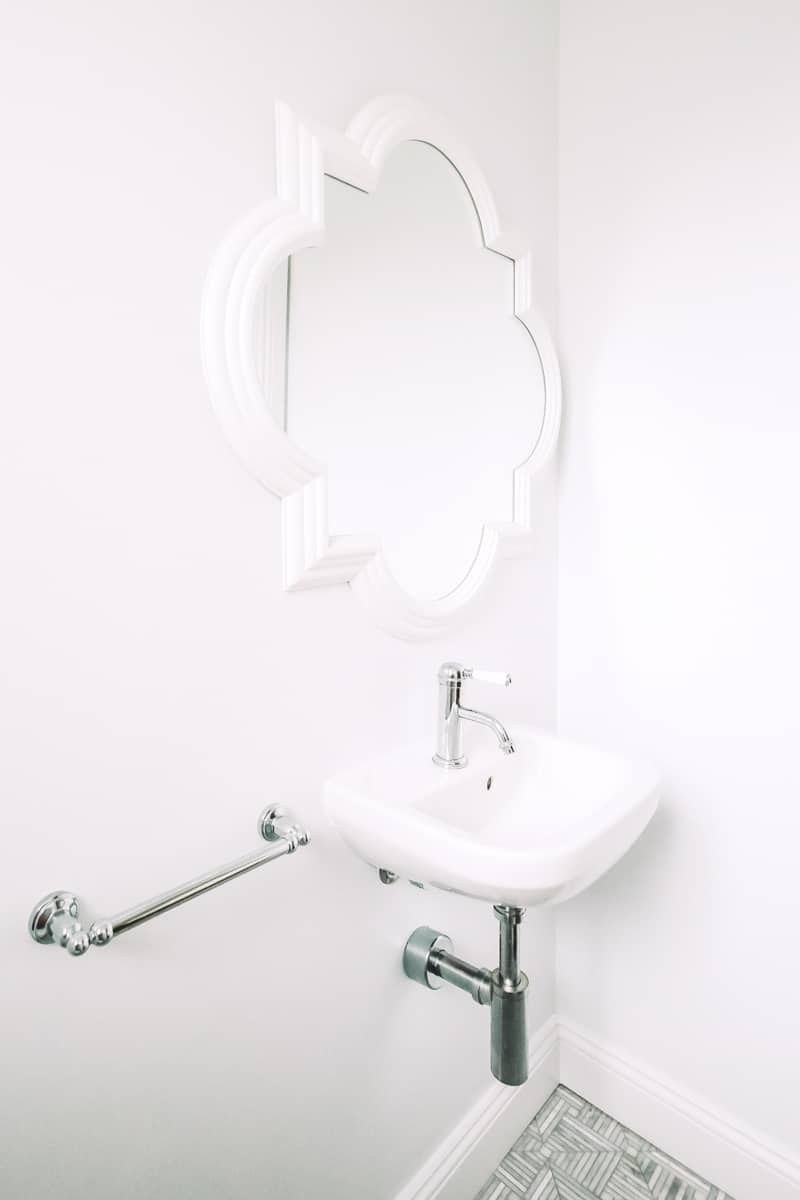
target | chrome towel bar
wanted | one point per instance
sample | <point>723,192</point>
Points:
<point>56,919</point>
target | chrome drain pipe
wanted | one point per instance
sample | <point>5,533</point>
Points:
<point>428,959</point>
<point>509,989</point>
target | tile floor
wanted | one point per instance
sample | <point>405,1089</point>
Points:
<point>573,1151</point>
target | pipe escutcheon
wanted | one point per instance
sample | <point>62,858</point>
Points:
<point>417,953</point>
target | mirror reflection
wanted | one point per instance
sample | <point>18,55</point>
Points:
<point>406,370</point>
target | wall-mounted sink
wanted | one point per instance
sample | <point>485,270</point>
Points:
<point>525,829</point>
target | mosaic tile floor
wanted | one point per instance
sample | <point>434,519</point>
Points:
<point>573,1151</point>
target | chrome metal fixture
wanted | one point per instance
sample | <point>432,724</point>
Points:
<point>428,959</point>
<point>56,918</point>
<point>449,747</point>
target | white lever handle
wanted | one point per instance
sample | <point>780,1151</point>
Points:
<point>498,677</point>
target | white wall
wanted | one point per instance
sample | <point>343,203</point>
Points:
<point>679,581</point>
<point>157,685</point>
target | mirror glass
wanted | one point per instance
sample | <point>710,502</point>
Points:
<point>405,369</point>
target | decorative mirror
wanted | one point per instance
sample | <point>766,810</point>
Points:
<point>374,357</point>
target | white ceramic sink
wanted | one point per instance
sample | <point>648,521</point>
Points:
<point>529,828</point>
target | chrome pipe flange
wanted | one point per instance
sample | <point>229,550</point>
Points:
<point>417,955</point>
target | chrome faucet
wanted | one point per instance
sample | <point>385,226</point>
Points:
<point>449,748</point>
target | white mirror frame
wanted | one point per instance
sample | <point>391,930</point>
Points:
<point>237,336</point>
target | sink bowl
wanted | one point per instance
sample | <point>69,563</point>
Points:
<point>525,829</point>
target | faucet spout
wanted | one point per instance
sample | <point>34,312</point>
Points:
<point>499,730</point>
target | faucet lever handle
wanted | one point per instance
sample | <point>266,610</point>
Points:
<point>498,677</point>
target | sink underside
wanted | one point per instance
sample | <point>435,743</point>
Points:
<point>530,828</point>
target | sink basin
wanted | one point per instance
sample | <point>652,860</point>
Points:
<point>525,829</point>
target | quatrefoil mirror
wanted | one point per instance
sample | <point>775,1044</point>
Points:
<point>374,356</point>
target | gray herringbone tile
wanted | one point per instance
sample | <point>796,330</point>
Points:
<point>494,1189</point>
<point>627,1183</point>
<point>574,1151</point>
<point>560,1103</point>
<point>590,1168</point>
<point>544,1188</point>
<point>668,1180</point>
<point>571,1136</point>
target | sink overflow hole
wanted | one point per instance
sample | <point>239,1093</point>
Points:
<point>489,784</point>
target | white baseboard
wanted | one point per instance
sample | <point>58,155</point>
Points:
<point>462,1163</point>
<point>710,1141</point>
